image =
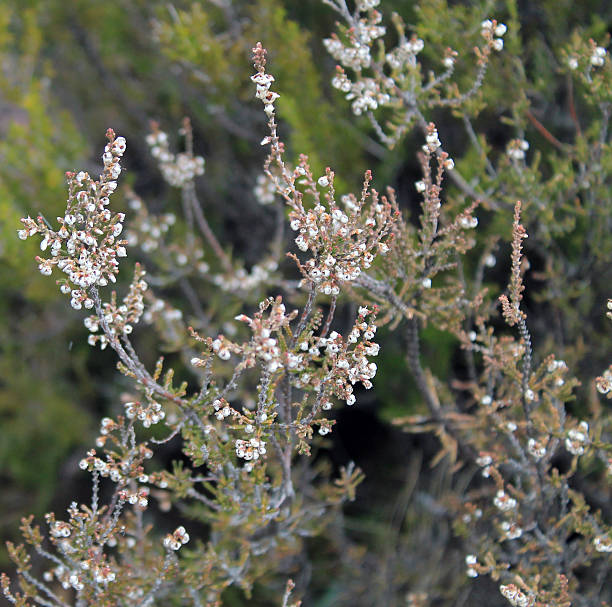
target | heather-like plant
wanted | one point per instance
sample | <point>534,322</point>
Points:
<point>299,367</point>
<point>524,467</point>
<point>537,534</point>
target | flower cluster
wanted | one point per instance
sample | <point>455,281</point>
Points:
<point>470,561</point>
<point>405,53</point>
<point>139,498</point>
<point>250,449</point>
<point>264,82</point>
<point>515,596</point>
<point>536,449</point>
<point>117,469</point>
<point>589,55</point>
<point>263,347</point>
<point>345,361</point>
<point>343,242</point>
<point>493,33</point>
<point>119,319</point>
<point>577,439</point>
<point>146,230</point>
<point>177,169</point>
<point>365,93</point>
<point>243,280</point>
<point>222,409</point>
<point>604,382</point>
<point>355,54</point>
<point>173,541</point>
<point>511,530</point>
<point>264,190</point>
<point>516,149</point>
<point>393,79</point>
<point>598,57</point>
<point>149,414</point>
<point>602,544</point>
<point>86,246</point>
<point>504,502</point>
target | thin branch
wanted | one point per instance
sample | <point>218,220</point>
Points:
<point>205,228</point>
<point>305,315</point>
<point>330,316</point>
<point>546,133</point>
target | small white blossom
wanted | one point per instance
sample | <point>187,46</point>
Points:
<point>471,560</point>
<point>598,57</point>
<point>511,530</point>
<point>468,222</point>
<point>602,544</point>
<point>177,539</point>
<point>577,439</point>
<point>515,596</point>
<point>504,502</point>
<point>501,29</point>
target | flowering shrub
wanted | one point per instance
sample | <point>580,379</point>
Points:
<point>249,401</point>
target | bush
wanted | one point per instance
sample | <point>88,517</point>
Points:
<point>218,475</point>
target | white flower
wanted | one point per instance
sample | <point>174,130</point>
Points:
<point>468,222</point>
<point>330,260</point>
<point>511,530</point>
<point>301,243</point>
<point>504,502</point>
<point>577,439</point>
<point>536,449</point>
<point>602,544</point>
<point>175,540</point>
<point>598,57</point>
<point>484,460</point>
<point>433,142</point>
<point>471,559</point>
